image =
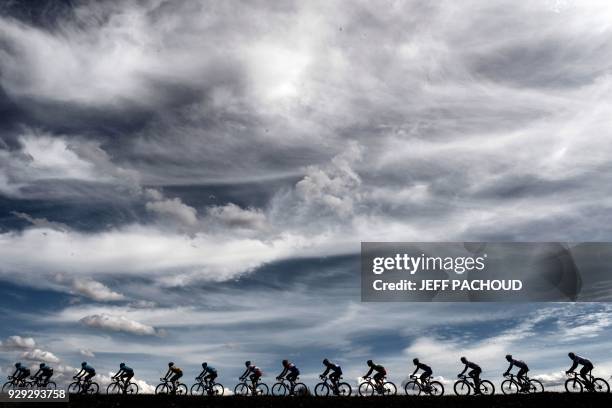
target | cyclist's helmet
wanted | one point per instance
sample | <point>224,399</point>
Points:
<point>204,364</point>
<point>122,365</point>
<point>17,365</point>
<point>508,357</point>
<point>170,364</point>
<point>571,355</point>
<point>370,362</point>
<point>463,360</point>
<point>84,363</point>
<point>42,365</point>
<point>247,363</point>
<point>285,362</point>
<point>325,361</point>
<point>415,361</point>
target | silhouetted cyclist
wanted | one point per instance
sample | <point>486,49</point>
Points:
<point>475,373</point>
<point>87,372</point>
<point>523,369</point>
<point>125,373</point>
<point>427,372</point>
<point>21,372</point>
<point>44,373</point>
<point>173,375</point>
<point>380,372</point>
<point>334,377</point>
<point>587,366</point>
<point>254,371</point>
<point>289,370</point>
<point>209,373</point>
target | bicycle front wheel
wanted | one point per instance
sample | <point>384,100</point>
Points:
<point>437,389</point>
<point>114,388</point>
<point>487,387</point>
<point>300,390</point>
<point>261,389</point>
<point>217,390</point>
<point>535,386</point>
<point>8,386</point>
<point>366,389</point>
<point>279,389</point>
<point>74,388</point>
<point>197,389</point>
<point>573,385</point>
<point>389,388</point>
<point>412,388</point>
<point>462,387</point>
<point>241,389</point>
<point>601,385</point>
<point>509,387</point>
<point>321,390</point>
<point>162,388</point>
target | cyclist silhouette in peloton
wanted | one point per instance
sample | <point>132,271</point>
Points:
<point>427,372</point>
<point>587,366</point>
<point>173,375</point>
<point>334,377</point>
<point>520,375</point>
<point>290,371</point>
<point>380,373</point>
<point>125,373</point>
<point>208,374</point>
<point>255,374</point>
<point>43,374</point>
<point>21,373</point>
<point>475,373</point>
<point>87,373</point>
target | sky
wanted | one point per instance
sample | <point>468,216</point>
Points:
<point>190,181</point>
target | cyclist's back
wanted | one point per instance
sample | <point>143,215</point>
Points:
<point>587,366</point>
<point>427,371</point>
<point>381,372</point>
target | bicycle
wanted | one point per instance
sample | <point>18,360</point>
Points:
<point>13,383</point>
<point>514,385</point>
<point>243,388</point>
<point>39,383</point>
<point>577,384</point>
<point>206,387</point>
<point>119,386</point>
<point>285,386</point>
<point>416,387</point>
<point>167,387</point>
<point>370,387</point>
<point>81,386</point>
<point>465,386</point>
<point>341,389</point>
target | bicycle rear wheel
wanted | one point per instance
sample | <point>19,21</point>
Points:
<point>344,389</point>
<point>573,385</point>
<point>300,390</point>
<point>217,390</point>
<point>412,388</point>
<point>462,387</point>
<point>261,389</point>
<point>509,387</point>
<point>535,386</point>
<point>51,385</point>
<point>389,388</point>
<point>93,388</point>
<point>132,389</point>
<point>181,389</point>
<point>487,387</point>
<point>601,385</point>
<point>437,389</point>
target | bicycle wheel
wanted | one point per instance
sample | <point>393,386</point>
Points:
<point>132,389</point>
<point>366,389</point>
<point>93,388</point>
<point>74,388</point>
<point>242,389</point>
<point>412,388</point>
<point>535,386</point>
<point>8,386</point>
<point>389,388</point>
<point>601,385</point>
<point>462,387</point>
<point>114,388</point>
<point>300,390</point>
<point>217,390</point>
<point>181,389</point>
<point>487,387</point>
<point>509,387</point>
<point>279,389</point>
<point>51,385</point>
<point>321,390</point>
<point>573,385</point>
<point>437,389</point>
<point>344,389</point>
<point>162,388</point>
<point>197,389</point>
<point>261,389</point>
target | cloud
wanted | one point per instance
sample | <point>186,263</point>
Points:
<point>40,355</point>
<point>234,216</point>
<point>87,353</point>
<point>118,324</point>
<point>18,342</point>
<point>174,208</point>
<point>96,290</point>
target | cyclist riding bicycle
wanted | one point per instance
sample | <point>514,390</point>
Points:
<point>289,370</point>
<point>380,372</point>
<point>475,373</point>
<point>173,375</point>
<point>427,371</point>
<point>254,371</point>
<point>43,374</point>
<point>87,372</point>
<point>523,369</point>
<point>125,373</point>
<point>209,373</point>
<point>334,377</point>
<point>21,372</point>
<point>587,366</point>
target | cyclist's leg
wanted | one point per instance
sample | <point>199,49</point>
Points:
<point>378,377</point>
<point>520,376</point>
<point>475,374</point>
<point>334,378</point>
<point>425,378</point>
<point>584,374</point>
